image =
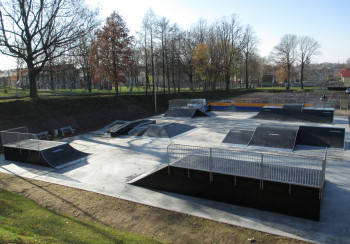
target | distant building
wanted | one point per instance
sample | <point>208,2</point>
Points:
<point>268,80</point>
<point>345,75</point>
<point>64,76</point>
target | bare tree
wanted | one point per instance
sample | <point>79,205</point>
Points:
<point>285,53</point>
<point>232,43</point>
<point>81,55</point>
<point>149,23</point>
<point>163,32</point>
<point>38,31</point>
<point>187,46</point>
<point>308,47</point>
<point>149,27</point>
<point>250,40</point>
<point>135,70</point>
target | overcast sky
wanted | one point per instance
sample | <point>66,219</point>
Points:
<point>327,21</point>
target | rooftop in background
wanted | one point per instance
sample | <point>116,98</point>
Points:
<point>345,72</point>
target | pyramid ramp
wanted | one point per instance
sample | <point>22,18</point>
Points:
<point>185,112</point>
<point>167,130</point>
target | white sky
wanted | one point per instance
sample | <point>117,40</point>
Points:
<point>327,21</point>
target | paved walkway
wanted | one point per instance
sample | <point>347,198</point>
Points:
<point>115,161</point>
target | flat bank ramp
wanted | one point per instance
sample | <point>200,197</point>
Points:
<point>275,136</point>
<point>240,136</point>
<point>296,112</point>
<point>330,137</point>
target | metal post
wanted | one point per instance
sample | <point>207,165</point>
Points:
<point>155,95</point>
<point>168,159</point>
<point>211,166</point>
<point>322,178</point>
<point>19,144</point>
<point>154,85</point>
<point>261,172</point>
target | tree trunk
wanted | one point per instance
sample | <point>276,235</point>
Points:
<point>116,87</point>
<point>227,81</point>
<point>163,64</point>
<point>179,77</point>
<point>88,76</point>
<point>246,71</point>
<point>302,75</point>
<point>146,60</point>
<point>32,82</point>
<point>52,81</point>
<point>191,80</point>
<point>288,76</point>
<point>167,72</point>
<point>173,75</point>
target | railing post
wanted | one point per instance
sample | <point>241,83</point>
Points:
<point>322,178</point>
<point>168,159</point>
<point>261,172</point>
<point>211,166</point>
<point>19,144</point>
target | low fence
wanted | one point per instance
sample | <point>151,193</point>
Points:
<point>297,170</point>
<point>16,136</point>
<point>176,103</point>
<point>191,103</point>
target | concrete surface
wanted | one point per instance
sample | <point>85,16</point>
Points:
<point>115,161</point>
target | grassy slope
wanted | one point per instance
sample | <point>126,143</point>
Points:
<point>88,112</point>
<point>130,217</point>
<point>24,221</point>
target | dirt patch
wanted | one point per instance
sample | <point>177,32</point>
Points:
<point>132,217</point>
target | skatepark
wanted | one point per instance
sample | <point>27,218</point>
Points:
<point>109,164</point>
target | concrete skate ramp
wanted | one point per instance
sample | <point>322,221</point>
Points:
<point>185,112</point>
<point>241,136</point>
<point>167,130</point>
<point>318,115</point>
<point>45,153</point>
<point>295,200</point>
<point>293,107</point>
<point>270,113</point>
<point>321,136</point>
<point>296,112</point>
<point>124,128</point>
<point>286,137</point>
<point>275,136</point>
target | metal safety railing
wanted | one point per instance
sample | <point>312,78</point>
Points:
<point>178,103</point>
<point>18,137</point>
<point>298,170</point>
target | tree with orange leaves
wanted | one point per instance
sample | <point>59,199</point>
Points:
<point>111,51</point>
<point>201,62</point>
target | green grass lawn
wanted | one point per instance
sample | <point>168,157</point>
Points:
<point>283,88</point>
<point>24,221</point>
<point>13,92</point>
<point>10,92</point>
